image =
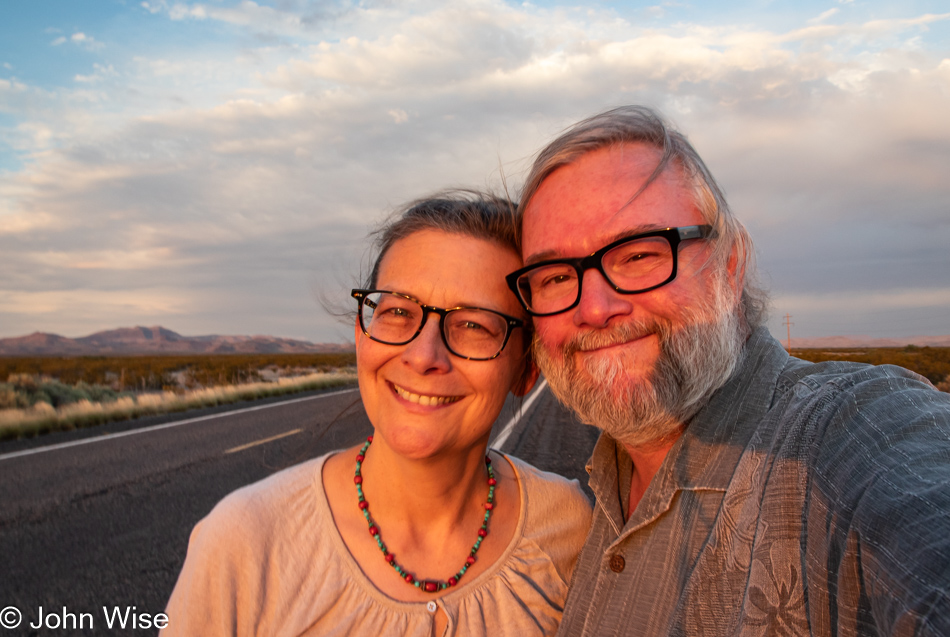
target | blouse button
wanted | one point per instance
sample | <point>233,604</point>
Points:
<point>431,607</point>
<point>617,563</point>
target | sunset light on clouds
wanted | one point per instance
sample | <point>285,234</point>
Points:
<point>215,166</point>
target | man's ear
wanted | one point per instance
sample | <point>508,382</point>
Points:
<point>735,266</point>
<point>526,381</point>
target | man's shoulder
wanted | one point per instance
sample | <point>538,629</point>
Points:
<point>857,425</point>
<point>847,375</point>
<point>856,391</point>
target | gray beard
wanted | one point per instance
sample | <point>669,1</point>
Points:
<point>696,358</point>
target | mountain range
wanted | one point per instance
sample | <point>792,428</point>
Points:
<point>157,340</point>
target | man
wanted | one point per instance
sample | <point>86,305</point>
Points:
<point>739,490</point>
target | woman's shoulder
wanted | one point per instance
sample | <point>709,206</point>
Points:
<point>556,513</point>
<point>548,489</point>
<point>272,506</point>
<point>250,560</point>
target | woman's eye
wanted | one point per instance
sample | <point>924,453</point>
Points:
<point>394,313</point>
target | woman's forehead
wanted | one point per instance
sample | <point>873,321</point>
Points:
<point>439,267</point>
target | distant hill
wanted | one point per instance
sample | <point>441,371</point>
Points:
<point>838,342</point>
<point>157,340</point>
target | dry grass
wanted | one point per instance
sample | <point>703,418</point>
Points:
<point>42,418</point>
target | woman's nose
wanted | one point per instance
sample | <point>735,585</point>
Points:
<point>426,353</point>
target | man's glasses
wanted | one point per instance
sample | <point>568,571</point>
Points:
<point>472,333</point>
<point>631,265</point>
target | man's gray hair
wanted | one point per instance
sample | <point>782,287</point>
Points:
<point>642,125</point>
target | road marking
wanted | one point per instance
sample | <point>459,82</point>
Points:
<point>507,429</point>
<point>263,441</point>
<point>168,425</point>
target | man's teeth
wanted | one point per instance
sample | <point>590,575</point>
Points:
<point>425,400</point>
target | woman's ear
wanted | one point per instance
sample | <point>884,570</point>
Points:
<point>526,381</point>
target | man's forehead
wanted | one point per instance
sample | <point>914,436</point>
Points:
<point>597,199</point>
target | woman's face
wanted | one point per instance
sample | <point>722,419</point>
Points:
<point>422,400</point>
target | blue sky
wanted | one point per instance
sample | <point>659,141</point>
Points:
<point>214,166</point>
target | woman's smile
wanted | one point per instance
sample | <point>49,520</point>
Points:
<point>423,399</point>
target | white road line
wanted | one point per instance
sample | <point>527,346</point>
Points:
<point>263,441</point>
<point>506,431</point>
<point>169,425</point>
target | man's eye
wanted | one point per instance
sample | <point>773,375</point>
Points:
<point>555,280</point>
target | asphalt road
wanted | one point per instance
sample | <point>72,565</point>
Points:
<point>101,517</point>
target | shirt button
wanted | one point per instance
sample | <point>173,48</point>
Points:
<point>431,607</point>
<point>617,563</point>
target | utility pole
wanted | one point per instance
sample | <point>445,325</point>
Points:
<point>788,323</point>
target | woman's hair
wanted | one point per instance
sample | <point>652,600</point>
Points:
<point>466,212</point>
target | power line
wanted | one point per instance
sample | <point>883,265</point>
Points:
<point>788,323</point>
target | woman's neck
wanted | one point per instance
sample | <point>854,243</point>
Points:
<point>431,493</point>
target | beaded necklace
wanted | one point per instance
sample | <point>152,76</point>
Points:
<point>429,586</point>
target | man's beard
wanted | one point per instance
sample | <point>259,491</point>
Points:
<point>697,355</point>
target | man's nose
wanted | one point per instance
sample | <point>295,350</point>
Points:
<point>599,302</point>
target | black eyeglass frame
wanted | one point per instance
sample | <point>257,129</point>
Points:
<point>594,261</point>
<point>510,321</point>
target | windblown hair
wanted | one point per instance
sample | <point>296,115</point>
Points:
<point>642,125</point>
<point>464,212</point>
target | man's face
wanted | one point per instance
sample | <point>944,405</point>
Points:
<point>639,365</point>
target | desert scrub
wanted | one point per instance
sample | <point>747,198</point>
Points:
<point>26,390</point>
<point>42,417</point>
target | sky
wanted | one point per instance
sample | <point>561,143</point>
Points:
<point>214,167</point>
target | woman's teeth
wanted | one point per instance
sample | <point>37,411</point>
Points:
<point>425,400</point>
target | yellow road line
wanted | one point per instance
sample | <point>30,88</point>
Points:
<point>264,441</point>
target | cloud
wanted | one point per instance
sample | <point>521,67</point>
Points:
<point>79,39</point>
<point>101,72</point>
<point>824,16</point>
<point>902,300</point>
<point>239,182</point>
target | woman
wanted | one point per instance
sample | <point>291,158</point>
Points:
<point>417,531</point>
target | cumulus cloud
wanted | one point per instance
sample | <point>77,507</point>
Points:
<point>239,184</point>
<point>79,39</point>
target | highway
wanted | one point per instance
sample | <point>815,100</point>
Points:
<point>101,517</point>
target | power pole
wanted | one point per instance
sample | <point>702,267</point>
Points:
<point>788,323</point>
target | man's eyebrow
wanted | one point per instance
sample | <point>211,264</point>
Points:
<point>547,255</point>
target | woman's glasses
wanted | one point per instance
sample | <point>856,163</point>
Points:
<point>472,333</point>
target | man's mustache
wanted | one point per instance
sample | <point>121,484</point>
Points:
<point>614,335</point>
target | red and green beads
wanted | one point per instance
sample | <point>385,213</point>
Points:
<point>429,586</point>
